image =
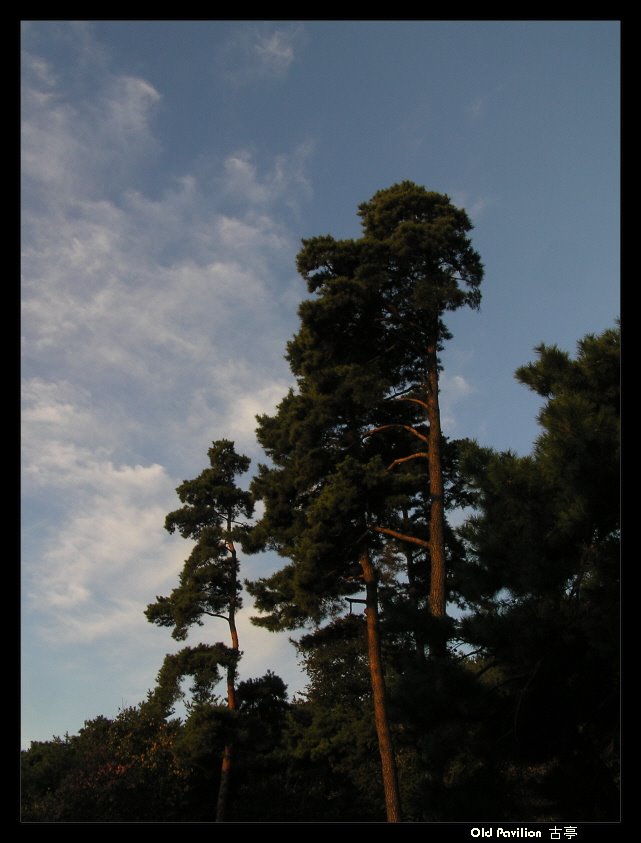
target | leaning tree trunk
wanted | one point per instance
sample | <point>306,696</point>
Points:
<point>388,762</point>
<point>228,751</point>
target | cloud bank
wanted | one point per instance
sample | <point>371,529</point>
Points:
<point>151,324</point>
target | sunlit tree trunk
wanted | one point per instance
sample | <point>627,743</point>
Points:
<point>388,761</point>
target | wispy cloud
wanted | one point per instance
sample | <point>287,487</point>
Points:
<point>454,390</point>
<point>285,179</point>
<point>151,325</point>
<point>275,50</point>
<point>73,148</point>
<point>477,108</point>
<point>105,547</point>
<point>474,205</point>
<point>256,53</point>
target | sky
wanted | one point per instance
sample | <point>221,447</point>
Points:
<point>169,172</point>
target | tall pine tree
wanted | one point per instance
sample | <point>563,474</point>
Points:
<point>378,320</point>
<point>348,445</point>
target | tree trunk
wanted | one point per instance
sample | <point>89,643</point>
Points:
<point>223,787</point>
<point>225,770</point>
<point>437,498</point>
<point>388,762</point>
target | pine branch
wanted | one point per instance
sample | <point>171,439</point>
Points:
<point>401,536</point>
<point>214,615</point>
<point>405,459</point>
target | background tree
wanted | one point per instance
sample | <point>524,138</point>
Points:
<point>114,770</point>
<point>542,584</point>
<point>209,586</point>
<point>260,792</point>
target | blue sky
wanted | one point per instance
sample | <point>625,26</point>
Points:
<point>169,172</point>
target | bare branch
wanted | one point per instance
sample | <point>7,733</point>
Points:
<point>401,536</point>
<point>405,459</point>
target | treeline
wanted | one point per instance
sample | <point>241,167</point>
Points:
<point>454,673</point>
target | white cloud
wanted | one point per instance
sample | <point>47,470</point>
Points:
<point>98,567</point>
<point>150,327</point>
<point>473,205</point>
<point>285,179</point>
<point>267,651</point>
<point>128,106</point>
<point>276,50</point>
<point>454,389</point>
<point>72,148</point>
<point>98,623</point>
<point>241,178</point>
<point>52,404</point>
<point>110,513</point>
<point>96,298</point>
<point>256,53</point>
<point>67,437</point>
<point>49,149</point>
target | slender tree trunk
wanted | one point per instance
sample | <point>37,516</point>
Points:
<point>437,501</point>
<point>388,762</point>
<point>228,751</point>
